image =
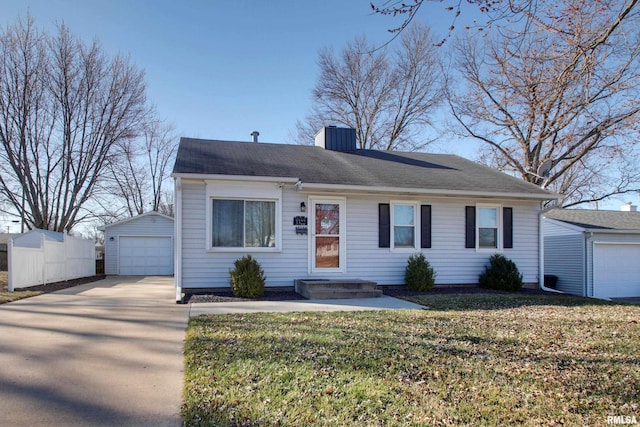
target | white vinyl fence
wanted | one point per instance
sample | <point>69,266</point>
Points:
<point>38,258</point>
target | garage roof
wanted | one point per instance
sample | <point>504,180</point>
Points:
<point>597,220</point>
<point>152,213</point>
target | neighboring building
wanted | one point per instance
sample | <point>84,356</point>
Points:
<point>4,238</point>
<point>139,246</point>
<point>594,253</point>
<point>332,211</point>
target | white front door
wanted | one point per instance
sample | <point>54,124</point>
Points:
<point>327,235</point>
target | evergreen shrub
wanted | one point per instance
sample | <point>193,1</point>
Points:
<point>501,274</point>
<point>419,275</point>
<point>247,278</point>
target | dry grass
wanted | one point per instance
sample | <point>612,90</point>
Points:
<point>6,296</point>
<point>469,360</point>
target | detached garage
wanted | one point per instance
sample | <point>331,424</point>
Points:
<point>594,253</point>
<point>139,246</point>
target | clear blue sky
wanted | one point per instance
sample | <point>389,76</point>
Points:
<point>220,69</point>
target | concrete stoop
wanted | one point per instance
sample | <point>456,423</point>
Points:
<point>336,289</point>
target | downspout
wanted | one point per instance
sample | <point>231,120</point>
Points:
<point>541,248</point>
<point>588,240</point>
<point>178,239</point>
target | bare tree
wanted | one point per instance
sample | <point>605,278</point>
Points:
<point>63,107</point>
<point>139,170</point>
<point>388,97</point>
<point>492,12</point>
<point>167,203</point>
<point>128,181</point>
<point>160,147</point>
<point>558,108</point>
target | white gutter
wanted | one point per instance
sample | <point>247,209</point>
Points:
<point>588,240</point>
<point>178,238</point>
<point>609,231</point>
<point>443,192</point>
<point>206,176</point>
<point>541,249</point>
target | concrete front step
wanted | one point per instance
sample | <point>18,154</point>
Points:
<point>337,289</point>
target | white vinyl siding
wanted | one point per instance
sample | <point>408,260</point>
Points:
<point>364,259</point>
<point>453,263</point>
<point>202,268</point>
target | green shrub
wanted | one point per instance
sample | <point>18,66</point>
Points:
<point>501,274</point>
<point>419,275</point>
<point>247,278</point>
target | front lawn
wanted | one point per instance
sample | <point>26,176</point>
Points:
<point>469,360</point>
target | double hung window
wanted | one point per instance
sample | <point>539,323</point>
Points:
<point>488,227</point>
<point>404,226</point>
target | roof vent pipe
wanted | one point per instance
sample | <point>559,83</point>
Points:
<point>254,135</point>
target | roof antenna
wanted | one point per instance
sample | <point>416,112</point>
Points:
<point>255,135</point>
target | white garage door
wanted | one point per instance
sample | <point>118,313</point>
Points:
<point>145,256</point>
<point>616,271</point>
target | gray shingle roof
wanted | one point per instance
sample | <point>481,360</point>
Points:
<point>603,220</point>
<point>360,168</point>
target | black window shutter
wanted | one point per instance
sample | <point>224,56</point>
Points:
<point>470,227</point>
<point>507,228</point>
<point>425,226</point>
<point>384,226</point>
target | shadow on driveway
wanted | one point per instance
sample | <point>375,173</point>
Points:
<point>104,353</point>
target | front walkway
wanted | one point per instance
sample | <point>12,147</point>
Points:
<point>102,354</point>
<point>357,304</point>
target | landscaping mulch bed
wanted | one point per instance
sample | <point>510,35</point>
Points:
<point>290,295</point>
<point>57,286</point>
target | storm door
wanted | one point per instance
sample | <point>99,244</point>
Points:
<point>327,235</point>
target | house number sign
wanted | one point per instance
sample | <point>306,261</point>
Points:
<point>300,223</point>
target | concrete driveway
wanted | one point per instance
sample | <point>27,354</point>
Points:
<point>102,354</point>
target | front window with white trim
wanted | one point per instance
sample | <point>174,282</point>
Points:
<point>239,223</point>
<point>488,227</point>
<point>403,218</point>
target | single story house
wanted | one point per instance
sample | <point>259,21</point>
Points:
<point>593,253</point>
<point>332,211</point>
<point>139,246</point>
